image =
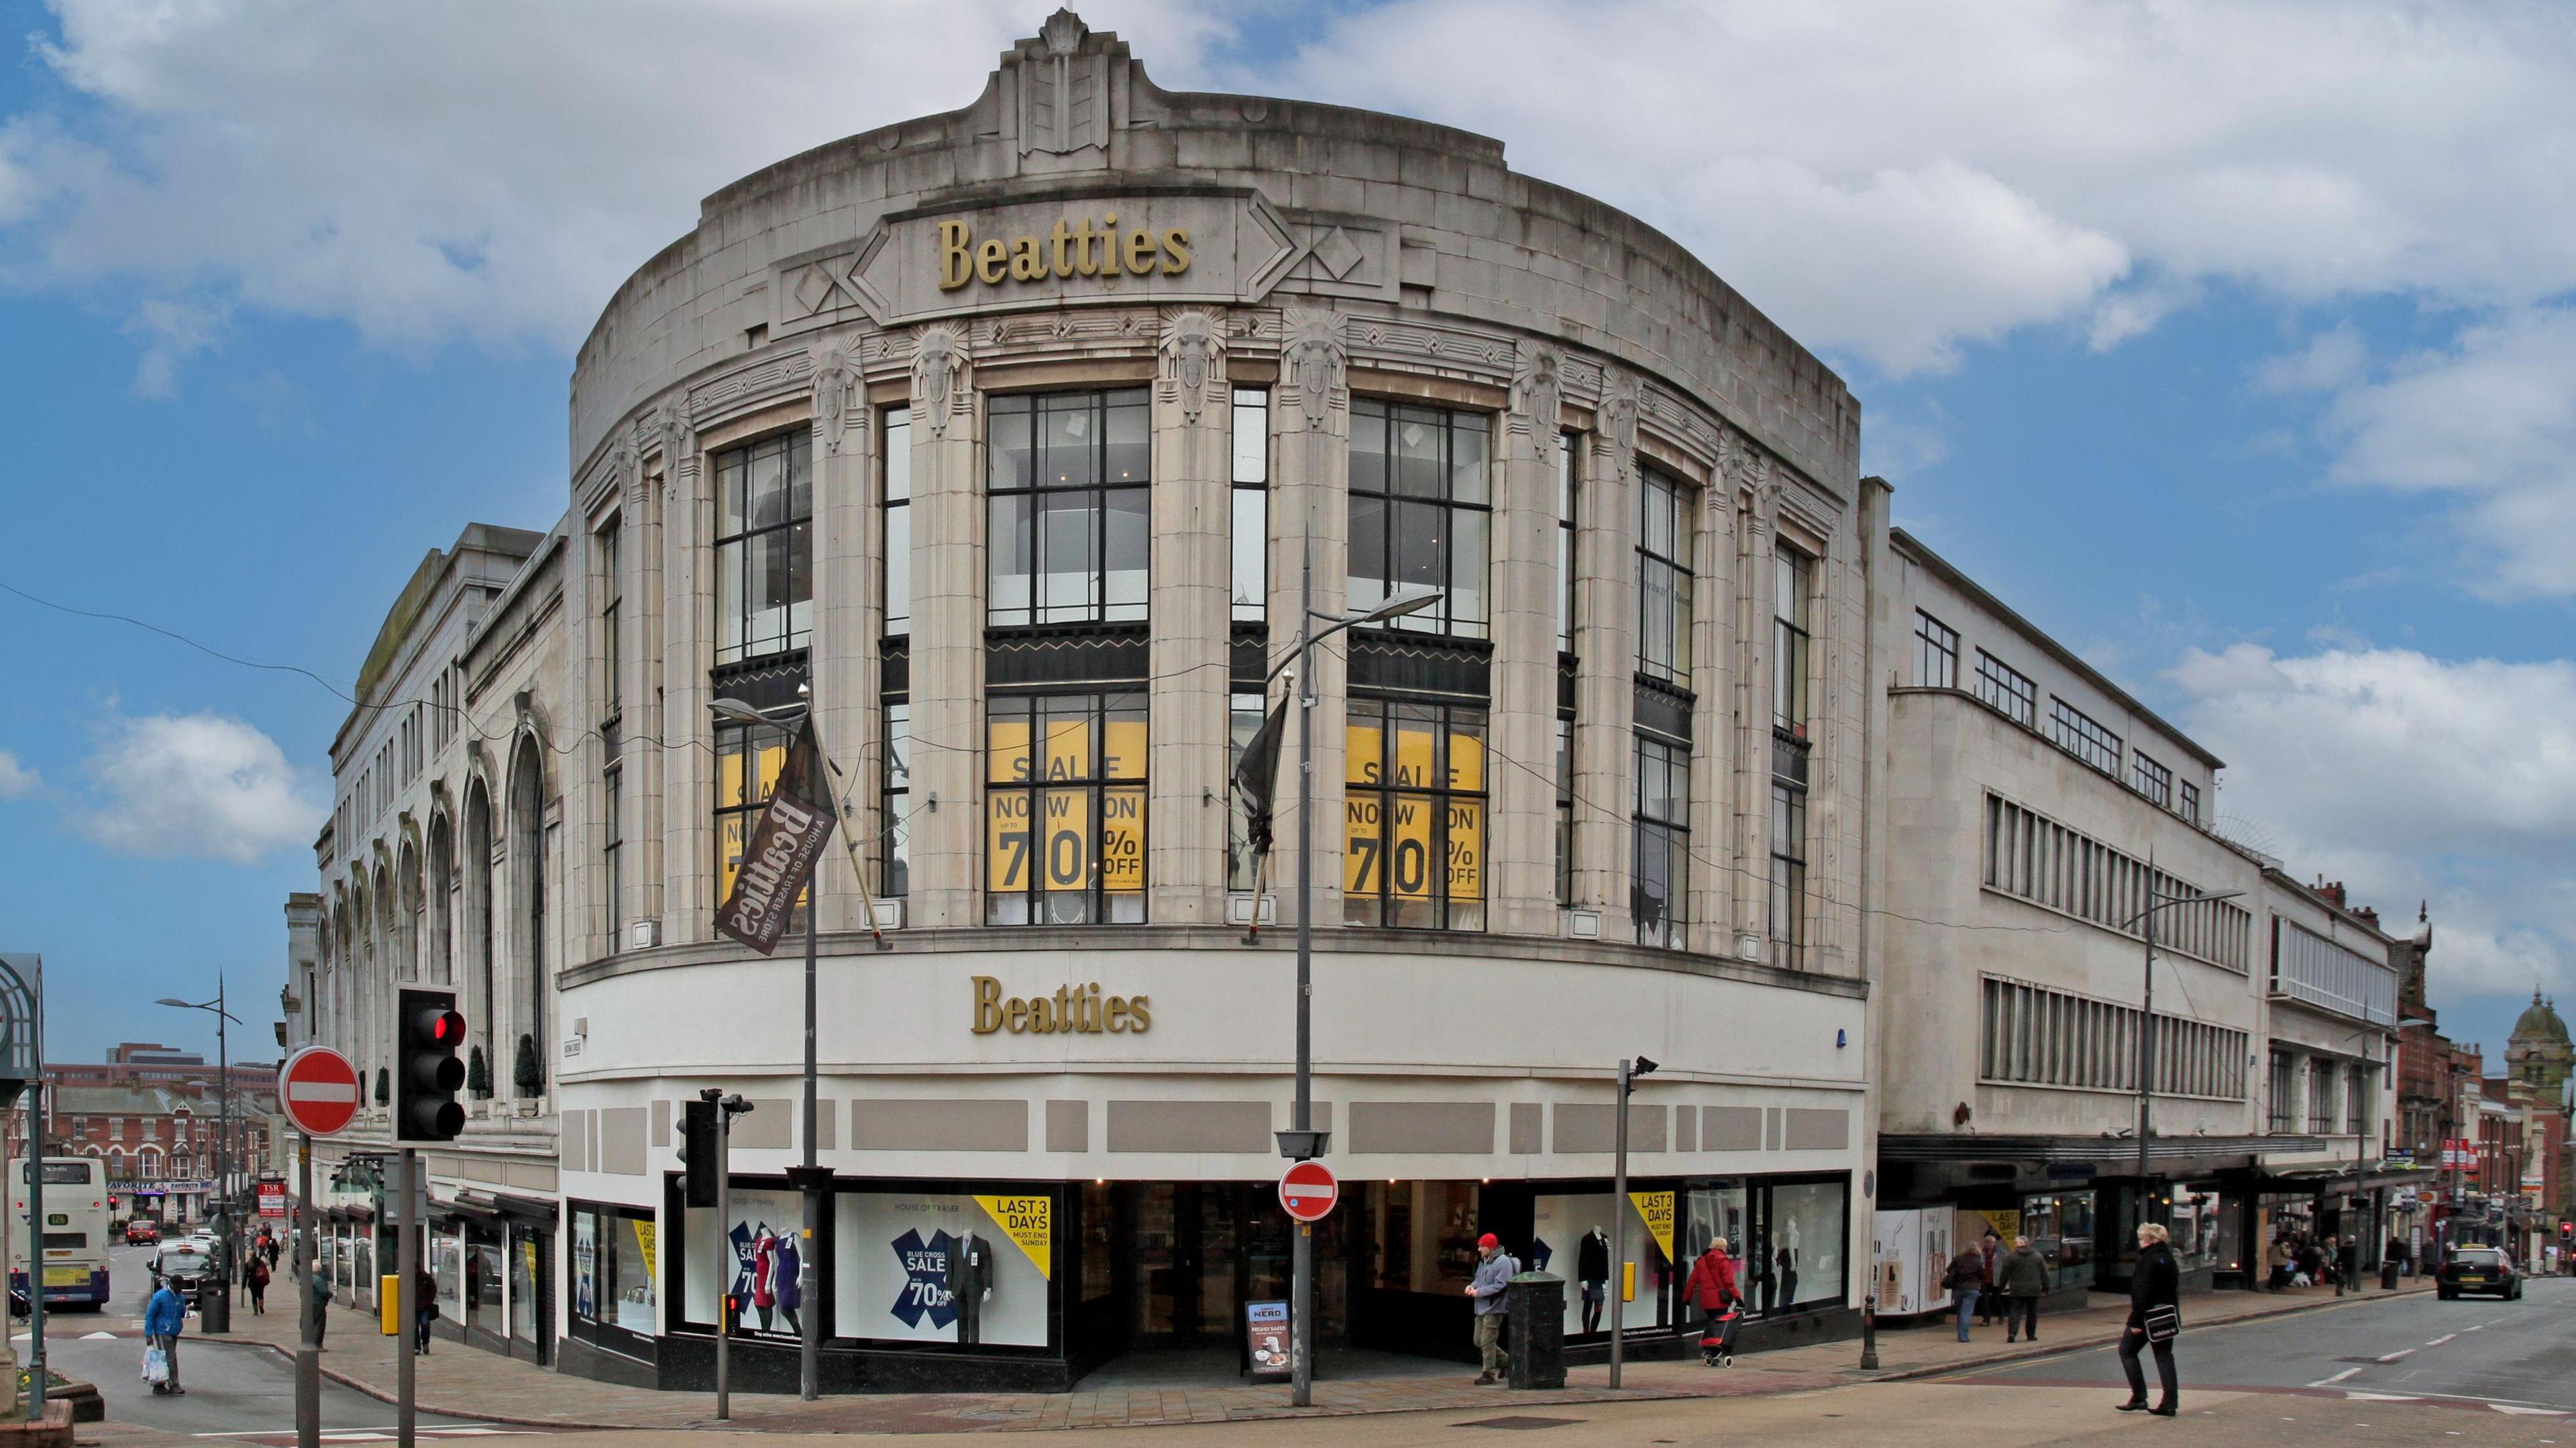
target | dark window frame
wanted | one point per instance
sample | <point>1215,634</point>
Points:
<point>1667,534</point>
<point>1039,901</point>
<point>1441,795</point>
<point>1116,510</point>
<point>786,539</point>
<point>2007,690</point>
<point>1936,652</point>
<point>1665,830</point>
<point>1249,496</point>
<point>2083,737</point>
<point>894,502</point>
<point>1382,491</point>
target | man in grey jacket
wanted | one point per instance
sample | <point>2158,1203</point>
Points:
<point>1494,1272</point>
<point>2025,1281</point>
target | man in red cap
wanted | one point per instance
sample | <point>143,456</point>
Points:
<point>1494,1272</point>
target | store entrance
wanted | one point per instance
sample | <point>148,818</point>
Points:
<point>1188,1255</point>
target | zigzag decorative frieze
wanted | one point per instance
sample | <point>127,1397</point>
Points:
<point>777,377</point>
<point>1490,354</point>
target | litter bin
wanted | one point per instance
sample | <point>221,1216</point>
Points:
<point>214,1305</point>
<point>1537,1331</point>
<point>2388,1276</point>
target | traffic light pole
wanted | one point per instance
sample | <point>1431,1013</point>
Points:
<point>724,1261</point>
<point>407,1293</point>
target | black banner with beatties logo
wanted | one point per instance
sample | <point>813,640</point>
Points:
<point>779,860</point>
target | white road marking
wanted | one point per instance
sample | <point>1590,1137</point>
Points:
<point>2517,1408</point>
<point>96,1336</point>
<point>2339,1377</point>
<point>2356,1396</point>
<point>2446,1337</point>
<point>2394,1356</point>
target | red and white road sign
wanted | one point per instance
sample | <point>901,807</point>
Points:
<point>1308,1191</point>
<point>319,1089</point>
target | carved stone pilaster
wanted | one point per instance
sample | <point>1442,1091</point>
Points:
<point>1538,397</point>
<point>1313,362</point>
<point>834,379</point>
<point>1192,348</point>
<point>939,391</point>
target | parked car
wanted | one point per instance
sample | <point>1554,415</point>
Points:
<point>140,1230</point>
<point>2486,1270</point>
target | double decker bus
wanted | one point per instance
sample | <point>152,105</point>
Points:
<point>76,1240</point>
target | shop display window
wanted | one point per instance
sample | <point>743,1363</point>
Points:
<point>616,1271</point>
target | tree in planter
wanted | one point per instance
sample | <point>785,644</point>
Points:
<point>478,1075</point>
<point>527,1075</point>
<point>384,1087</point>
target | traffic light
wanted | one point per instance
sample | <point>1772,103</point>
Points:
<point>698,1150</point>
<point>428,1034</point>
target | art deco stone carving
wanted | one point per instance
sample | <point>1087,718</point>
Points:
<point>1313,360</point>
<point>1193,340</point>
<point>938,359</point>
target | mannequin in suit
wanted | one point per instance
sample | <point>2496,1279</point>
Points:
<point>1592,1271</point>
<point>970,1283</point>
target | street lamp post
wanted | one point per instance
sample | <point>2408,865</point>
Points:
<point>2156,900</point>
<point>812,1179</point>
<point>1302,1141</point>
<point>1629,1071</point>
<point>219,1318</point>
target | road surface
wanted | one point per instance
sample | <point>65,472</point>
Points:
<point>2512,1356</point>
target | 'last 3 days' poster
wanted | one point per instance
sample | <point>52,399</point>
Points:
<point>936,1267</point>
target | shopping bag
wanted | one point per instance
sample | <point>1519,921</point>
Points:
<point>156,1366</point>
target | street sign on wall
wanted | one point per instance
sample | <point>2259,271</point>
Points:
<point>318,1089</point>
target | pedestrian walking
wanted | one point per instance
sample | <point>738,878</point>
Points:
<point>1991,1251</point>
<point>2155,1317</point>
<point>1494,1272</point>
<point>2347,1266</point>
<point>255,1277</point>
<point>424,1309</point>
<point>1711,1286</point>
<point>1966,1279</point>
<point>163,1316</point>
<point>2023,1283</point>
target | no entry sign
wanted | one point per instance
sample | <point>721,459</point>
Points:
<point>319,1090</point>
<point>1308,1191</point>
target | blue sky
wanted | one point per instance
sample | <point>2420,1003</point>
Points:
<point>2236,345</point>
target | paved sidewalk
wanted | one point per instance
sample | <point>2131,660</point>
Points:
<point>458,1380</point>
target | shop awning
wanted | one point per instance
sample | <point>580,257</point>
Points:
<point>2109,1154</point>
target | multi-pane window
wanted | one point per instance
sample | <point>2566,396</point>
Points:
<point>2322,1094</point>
<point>1792,602</point>
<point>1066,481</point>
<point>1663,842</point>
<point>1251,591</point>
<point>1565,486</point>
<point>2191,801</point>
<point>612,768</point>
<point>612,836</point>
<point>2032,1035</point>
<point>2007,690</point>
<point>2151,779</point>
<point>1421,509</point>
<point>894,486</point>
<point>1242,870</point>
<point>2283,1114</point>
<point>748,758</point>
<point>1788,853</point>
<point>894,804</point>
<point>1064,809</point>
<point>2039,860</point>
<point>1936,652</point>
<point>2356,1114</point>
<point>1413,846</point>
<point>1565,809</point>
<point>2076,732</point>
<point>765,547</point>
<point>1663,576</point>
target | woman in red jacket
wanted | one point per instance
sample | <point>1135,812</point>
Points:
<point>1712,1283</point>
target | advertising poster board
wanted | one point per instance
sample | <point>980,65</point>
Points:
<point>943,1267</point>
<point>1266,1340</point>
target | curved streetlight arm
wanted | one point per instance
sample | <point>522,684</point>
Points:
<point>1395,606</point>
<point>2179,900</point>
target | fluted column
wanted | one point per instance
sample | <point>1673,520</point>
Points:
<point>1191,614</point>
<point>842,647</point>
<point>947,631</point>
<point>1605,698</point>
<point>1715,873</point>
<point>647,743</point>
<point>1748,773</point>
<point>688,612</point>
<point>1520,825</point>
<point>1311,499</point>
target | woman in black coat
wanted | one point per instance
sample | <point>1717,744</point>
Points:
<point>2155,1283</point>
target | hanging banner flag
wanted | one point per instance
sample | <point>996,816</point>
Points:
<point>784,846</point>
<point>1656,1209</point>
<point>1030,1224</point>
<point>1256,777</point>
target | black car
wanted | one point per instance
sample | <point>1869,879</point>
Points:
<point>2479,1269</point>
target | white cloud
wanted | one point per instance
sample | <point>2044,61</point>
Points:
<point>196,785</point>
<point>17,780</point>
<point>1892,182</point>
<point>171,332</point>
<point>2491,422</point>
<point>2411,778</point>
<point>2333,358</point>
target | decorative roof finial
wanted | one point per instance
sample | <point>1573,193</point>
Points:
<point>1063,32</point>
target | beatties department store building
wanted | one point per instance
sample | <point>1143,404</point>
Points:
<point>1009,432</point>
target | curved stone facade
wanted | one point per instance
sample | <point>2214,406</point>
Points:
<point>1152,373</point>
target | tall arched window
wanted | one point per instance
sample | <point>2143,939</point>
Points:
<point>441,964</point>
<point>408,964</point>
<point>528,911</point>
<point>475,904</point>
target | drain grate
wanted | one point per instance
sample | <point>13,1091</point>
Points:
<point>1519,1421</point>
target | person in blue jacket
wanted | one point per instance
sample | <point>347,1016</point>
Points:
<point>162,1319</point>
